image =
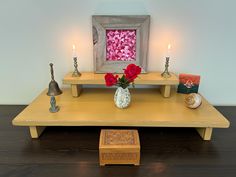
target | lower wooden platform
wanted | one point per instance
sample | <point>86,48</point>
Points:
<point>95,107</point>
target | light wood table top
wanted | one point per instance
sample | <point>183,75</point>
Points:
<point>95,107</point>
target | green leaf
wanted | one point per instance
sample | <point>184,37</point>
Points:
<point>133,84</point>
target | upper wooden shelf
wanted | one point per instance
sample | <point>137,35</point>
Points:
<point>151,78</point>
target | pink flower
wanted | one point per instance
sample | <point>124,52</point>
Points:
<point>121,45</point>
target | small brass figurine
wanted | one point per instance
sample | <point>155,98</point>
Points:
<point>53,90</point>
<point>166,73</point>
<point>76,72</point>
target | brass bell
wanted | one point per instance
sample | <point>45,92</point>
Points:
<point>53,90</point>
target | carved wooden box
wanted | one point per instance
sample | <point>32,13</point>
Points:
<point>119,147</point>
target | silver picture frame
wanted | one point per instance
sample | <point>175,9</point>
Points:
<point>101,23</point>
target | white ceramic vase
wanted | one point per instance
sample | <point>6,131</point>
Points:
<point>122,97</point>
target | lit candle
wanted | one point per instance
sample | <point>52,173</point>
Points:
<point>166,73</point>
<point>76,72</point>
<point>74,51</point>
<point>168,51</point>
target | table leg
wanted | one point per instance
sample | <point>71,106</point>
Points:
<point>165,90</point>
<point>205,133</point>
<point>76,90</point>
<point>35,132</point>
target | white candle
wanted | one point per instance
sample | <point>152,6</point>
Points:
<point>74,55</point>
<point>168,51</point>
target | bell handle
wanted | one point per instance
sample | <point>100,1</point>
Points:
<point>52,72</point>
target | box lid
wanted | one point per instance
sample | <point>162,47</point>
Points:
<point>116,138</point>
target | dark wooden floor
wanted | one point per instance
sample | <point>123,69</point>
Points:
<point>73,151</point>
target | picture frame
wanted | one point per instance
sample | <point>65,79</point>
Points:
<point>119,41</point>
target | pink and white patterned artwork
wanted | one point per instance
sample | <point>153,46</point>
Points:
<point>121,45</point>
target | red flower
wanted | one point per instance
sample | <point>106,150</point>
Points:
<point>110,79</point>
<point>131,72</point>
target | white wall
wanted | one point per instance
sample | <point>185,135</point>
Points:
<point>36,32</point>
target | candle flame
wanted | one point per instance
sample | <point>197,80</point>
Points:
<point>169,46</point>
<point>73,47</point>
